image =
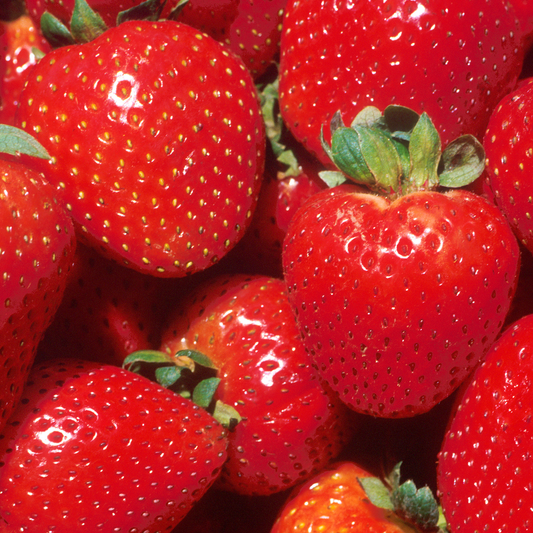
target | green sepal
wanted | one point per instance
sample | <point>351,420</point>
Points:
<point>54,31</point>
<point>15,141</point>
<point>369,116</point>
<point>198,357</point>
<point>416,506</point>
<point>85,24</point>
<point>378,493</point>
<point>463,161</point>
<point>227,415</point>
<point>148,10</point>
<point>204,392</point>
<point>424,152</point>
<point>400,120</point>
<point>332,178</point>
<point>168,376</point>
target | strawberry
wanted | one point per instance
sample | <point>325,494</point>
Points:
<point>508,161</point>
<point>159,162</point>
<point>37,249</point>
<point>485,468</point>
<point>250,28</point>
<point>20,41</point>
<point>452,59</point>
<point>291,425</point>
<point>347,498</point>
<point>108,311</point>
<point>399,293</point>
<point>95,447</point>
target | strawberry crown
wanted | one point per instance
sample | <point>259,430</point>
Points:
<point>398,152</point>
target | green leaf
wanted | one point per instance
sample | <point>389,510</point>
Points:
<point>147,356</point>
<point>378,493</point>
<point>227,415</point>
<point>417,506</point>
<point>463,161</point>
<point>54,31</point>
<point>400,120</point>
<point>368,116</point>
<point>425,152</point>
<point>197,357</point>
<point>148,10</point>
<point>347,155</point>
<point>15,141</point>
<point>332,178</point>
<point>85,24</point>
<point>205,390</point>
<point>167,376</point>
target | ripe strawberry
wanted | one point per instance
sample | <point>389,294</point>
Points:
<point>250,28</point>
<point>108,311</point>
<point>507,148</point>
<point>37,248</point>
<point>19,40</point>
<point>94,447</point>
<point>524,12</point>
<point>344,498</point>
<point>485,468</point>
<point>291,426</point>
<point>159,161</point>
<point>452,59</point>
<point>398,296</point>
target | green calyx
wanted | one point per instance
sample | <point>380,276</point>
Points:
<point>14,141</point>
<point>398,152</point>
<point>188,373</point>
<point>416,507</point>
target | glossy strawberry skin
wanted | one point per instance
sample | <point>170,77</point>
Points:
<point>451,59</point>
<point>334,502</point>
<point>508,164</point>
<point>484,467</point>
<point>94,447</point>
<point>250,28</point>
<point>37,243</point>
<point>157,143</point>
<point>397,302</point>
<point>19,39</point>
<point>291,426</point>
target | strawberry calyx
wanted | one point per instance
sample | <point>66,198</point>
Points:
<point>16,142</point>
<point>86,24</point>
<point>398,152</point>
<point>189,373</point>
<point>416,507</point>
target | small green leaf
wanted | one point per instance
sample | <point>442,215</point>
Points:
<point>205,390</point>
<point>167,376</point>
<point>148,10</point>
<point>368,116</point>
<point>400,119</point>
<point>197,357</point>
<point>85,24</point>
<point>227,415</point>
<point>378,493</point>
<point>15,141</point>
<point>54,31</point>
<point>347,155</point>
<point>146,356</point>
<point>425,152</point>
<point>332,178</point>
<point>288,158</point>
<point>463,161</point>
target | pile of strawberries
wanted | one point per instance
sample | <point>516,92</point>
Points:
<point>266,265</point>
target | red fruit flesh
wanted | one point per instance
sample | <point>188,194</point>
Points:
<point>398,301</point>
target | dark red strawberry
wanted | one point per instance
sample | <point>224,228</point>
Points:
<point>108,311</point>
<point>509,165</point>
<point>95,447</point>
<point>485,467</point>
<point>157,143</point>
<point>37,247</point>
<point>250,28</point>
<point>291,425</point>
<point>19,42</point>
<point>452,59</point>
<point>399,293</point>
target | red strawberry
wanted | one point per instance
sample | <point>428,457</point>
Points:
<point>398,296</point>
<point>159,161</point>
<point>524,12</point>
<point>250,28</point>
<point>347,498</point>
<point>485,467</point>
<point>19,40</point>
<point>291,427</point>
<point>108,311</point>
<point>37,246</point>
<point>509,165</point>
<point>108,10</point>
<point>453,59</point>
<point>95,447</point>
